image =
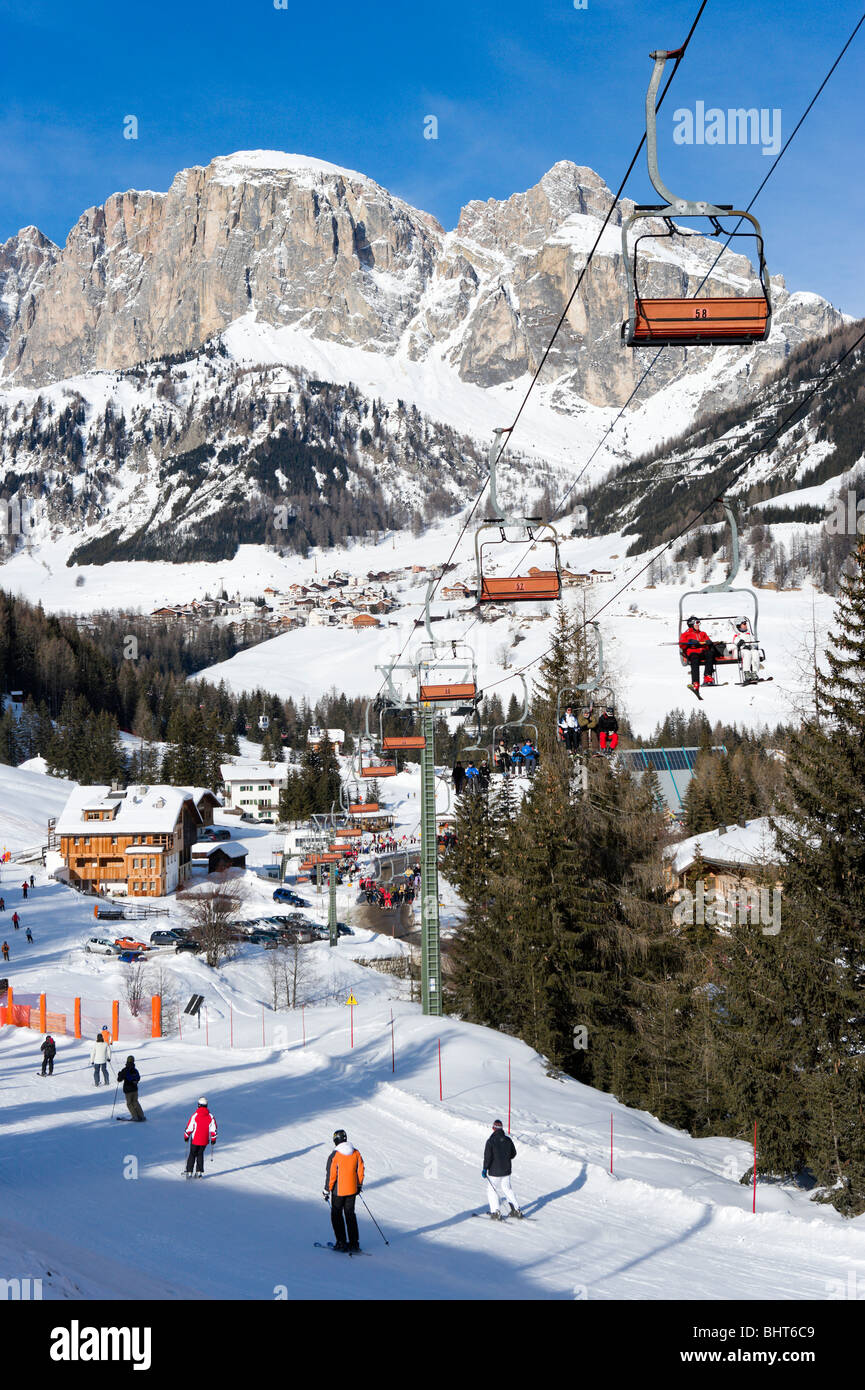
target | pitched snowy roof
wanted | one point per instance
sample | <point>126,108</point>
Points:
<point>203,848</point>
<point>199,793</point>
<point>137,810</point>
<point>243,771</point>
<point>731,846</point>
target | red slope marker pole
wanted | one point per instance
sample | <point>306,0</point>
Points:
<point>754,1204</point>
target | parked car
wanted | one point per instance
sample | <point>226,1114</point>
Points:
<point>266,820</point>
<point>189,945</point>
<point>296,935</point>
<point>129,943</point>
<point>287,895</point>
<point>129,957</point>
<point>245,816</point>
<point>215,832</point>
<point>101,946</point>
<point>260,938</point>
<point>166,936</point>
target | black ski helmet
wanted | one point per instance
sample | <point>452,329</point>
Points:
<point>497,1124</point>
<point>340,1136</point>
<point>692,621</point>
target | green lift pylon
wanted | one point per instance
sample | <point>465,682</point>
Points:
<point>331,907</point>
<point>431,993</point>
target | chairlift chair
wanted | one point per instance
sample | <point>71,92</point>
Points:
<point>459,688</point>
<point>538,586</point>
<point>713,321</point>
<point>395,743</point>
<point>522,722</point>
<point>730,656</point>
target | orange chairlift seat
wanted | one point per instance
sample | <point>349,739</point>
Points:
<point>448,694</point>
<point>536,586</point>
<point>393,743</point>
<point>445,670</point>
<point>668,321</point>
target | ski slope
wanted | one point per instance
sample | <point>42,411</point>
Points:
<point>107,1210</point>
<point>99,1210</point>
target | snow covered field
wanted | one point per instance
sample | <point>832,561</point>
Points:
<point>107,1212</point>
<point>640,652</point>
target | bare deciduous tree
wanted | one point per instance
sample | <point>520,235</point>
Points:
<point>135,988</point>
<point>209,911</point>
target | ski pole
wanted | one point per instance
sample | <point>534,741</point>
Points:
<point>495,1194</point>
<point>373,1220</point>
<point>114,1102</point>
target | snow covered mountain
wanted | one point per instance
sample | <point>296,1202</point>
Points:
<point>274,330</point>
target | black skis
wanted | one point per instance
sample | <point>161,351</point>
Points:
<point>329,1245</point>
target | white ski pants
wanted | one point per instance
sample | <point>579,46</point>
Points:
<point>499,1191</point>
<point>749,658</point>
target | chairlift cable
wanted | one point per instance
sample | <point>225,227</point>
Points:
<point>755,453</point>
<point>680,53</point>
<point>559,511</point>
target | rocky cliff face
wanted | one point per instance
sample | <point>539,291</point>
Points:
<point>149,274</point>
<point>24,261</point>
<point>303,243</point>
<point>515,264</point>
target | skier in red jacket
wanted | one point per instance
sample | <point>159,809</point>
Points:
<point>201,1128</point>
<point>698,649</point>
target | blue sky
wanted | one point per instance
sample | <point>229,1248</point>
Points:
<point>514,87</point>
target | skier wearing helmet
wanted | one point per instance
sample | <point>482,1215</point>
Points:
<point>343,1184</point>
<point>201,1127</point>
<point>747,649</point>
<point>698,649</point>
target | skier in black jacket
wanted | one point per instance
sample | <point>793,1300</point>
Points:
<point>131,1079</point>
<point>498,1153</point>
<point>48,1050</point>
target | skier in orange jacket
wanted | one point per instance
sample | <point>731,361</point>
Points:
<point>343,1184</point>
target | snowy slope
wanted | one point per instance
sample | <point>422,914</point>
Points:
<point>28,799</point>
<point>640,651</point>
<point>108,1214</point>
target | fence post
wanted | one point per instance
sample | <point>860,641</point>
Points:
<point>42,1013</point>
<point>77,1017</point>
<point>115,1020</point>
<point>156,1015</point>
